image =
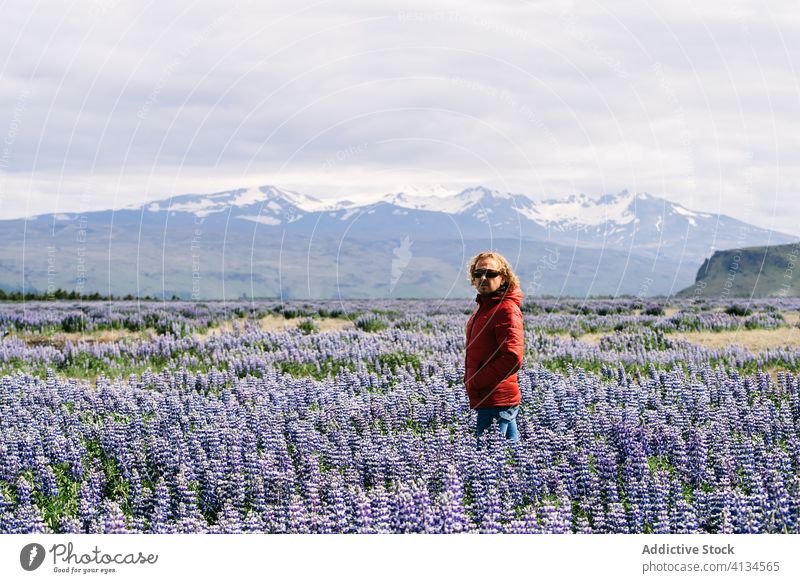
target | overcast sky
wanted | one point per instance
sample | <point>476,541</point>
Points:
<point>113,103</point>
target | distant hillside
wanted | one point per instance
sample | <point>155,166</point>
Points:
<point>266,241</point>
<point>752,271</point>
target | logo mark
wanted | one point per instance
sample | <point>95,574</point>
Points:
<point>31,556</point>
<point>402,256</point>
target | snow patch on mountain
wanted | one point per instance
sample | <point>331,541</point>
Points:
<point>439,199</point>
<point>691,216</point>
<point>584,211</point>
<point>263,219</point>
<point>436,199</point>
<point>302,201</point>
<point>349,213</point>
<point>270,197</point>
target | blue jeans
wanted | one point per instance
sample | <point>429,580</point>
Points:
<point>506,420</point>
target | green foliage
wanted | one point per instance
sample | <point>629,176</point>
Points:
<point>153,320</point>
<point>115,487</point>
<point>308,326</point>
<point>324,313</point>
<point>738,310</point>
<point>659,462</point>
<point>289,313</point>
<point>371,325</point>
<point>397,360</point>
<point>531,308</point>
<point>60,294</point>
<point>73,323</point>
<point>86,365</point>
<point>64,504</point>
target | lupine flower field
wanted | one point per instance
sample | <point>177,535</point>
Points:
<point>192,417</point>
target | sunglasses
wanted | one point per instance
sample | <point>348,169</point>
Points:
<point>488,273</point>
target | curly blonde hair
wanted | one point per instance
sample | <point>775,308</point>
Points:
<point>505,267</point>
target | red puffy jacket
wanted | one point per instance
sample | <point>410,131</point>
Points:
<point>494,350</point>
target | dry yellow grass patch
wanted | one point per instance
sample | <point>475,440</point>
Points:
<point>333,324</point>
<point>593,337</point>
<point>792,318</point>
<point>754,340</point>
<point>59,339</point>
<point>274,323</point>
<point>224,328</point>
<point>271,322</point>
<point>590,338</point>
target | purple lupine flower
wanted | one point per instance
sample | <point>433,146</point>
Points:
<point>113,519</point>
<point>297,522</point>
<point>616,518</point>
<point>381,510</point>
<point>69,525</point>
<point>230,521</point>
<point>728,438</point>
<point>362,512</point>
<point>555,519</point>
<point>684,518</point>
<point>6,513</point>
<point>659,496</point>
<point>527,524</point>
<point>582,525</point>
<point>726,524</point>
<point>452,516</point>
<point>253,523</point>
<point>490,520</point>
<point>337,508</point>
<point>160,513</point>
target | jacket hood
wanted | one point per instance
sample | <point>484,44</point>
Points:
<point>513,293</point>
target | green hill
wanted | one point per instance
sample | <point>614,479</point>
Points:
<point>752,271</point>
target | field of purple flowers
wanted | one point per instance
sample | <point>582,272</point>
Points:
<point>367,429</point>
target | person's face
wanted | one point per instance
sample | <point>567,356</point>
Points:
<point>484,268</point>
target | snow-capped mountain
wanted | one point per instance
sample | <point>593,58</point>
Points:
<point>244,203</point>
<point>271,241</point>
<point>612,219</point>
<point>436,198</point>
<point>625,221</point>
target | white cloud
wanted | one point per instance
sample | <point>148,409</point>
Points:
<point>543,97</point>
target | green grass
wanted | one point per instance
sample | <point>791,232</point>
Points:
<point>308,326</point>
<point>64,504</point>
<point>395,361</point>
<point>659,462</point>
<point>371,325</point>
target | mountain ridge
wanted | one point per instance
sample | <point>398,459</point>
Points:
<point>266,240</point>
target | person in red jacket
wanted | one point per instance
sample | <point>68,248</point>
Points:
<point>494,344</point>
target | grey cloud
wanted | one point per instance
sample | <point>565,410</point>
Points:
<point>565,96</point>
